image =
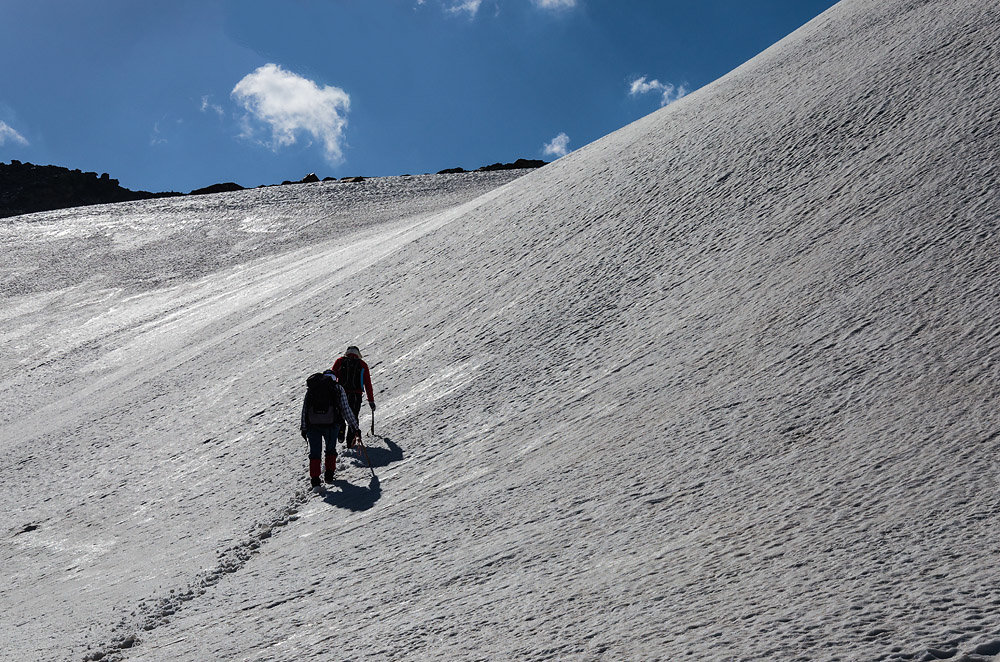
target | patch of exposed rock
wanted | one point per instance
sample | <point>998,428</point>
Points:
<point>26,188</point>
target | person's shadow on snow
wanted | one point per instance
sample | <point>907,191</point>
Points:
<point>357,497</point>
<point>354,497</point>
<point>380,457</point>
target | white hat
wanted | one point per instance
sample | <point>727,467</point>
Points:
<point>353,350</point>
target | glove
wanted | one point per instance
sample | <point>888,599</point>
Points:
<point>352,437</point>
<point>303,431</point>
<point>371,404</point>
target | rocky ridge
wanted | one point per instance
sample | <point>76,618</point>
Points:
<point>26,188</point>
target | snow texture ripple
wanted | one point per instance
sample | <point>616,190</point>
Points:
<point>721,385</point>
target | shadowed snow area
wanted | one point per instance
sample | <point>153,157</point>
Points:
<point>719,386</point>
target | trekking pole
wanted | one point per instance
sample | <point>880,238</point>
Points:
<point>367,459</point>
<point>373,422</point>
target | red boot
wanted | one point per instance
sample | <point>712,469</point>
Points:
<point>314,471</point>
<point>331,466</point>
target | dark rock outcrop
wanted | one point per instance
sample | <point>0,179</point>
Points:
<point>516,165</point>
<point>308,179</point>
<point>217,188</point>
<point>26,188</point>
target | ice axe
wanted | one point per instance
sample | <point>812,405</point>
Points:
<point>365,451</point>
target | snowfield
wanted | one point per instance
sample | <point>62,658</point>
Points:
<point>721,385</point>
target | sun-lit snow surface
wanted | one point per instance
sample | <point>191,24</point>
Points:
<point>722,385</point>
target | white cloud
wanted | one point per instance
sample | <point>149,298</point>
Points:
<point>557,147</point>
<point>207,105</point>
<point>7,132</point>
<point>669,92</point>
<point>156,138</point>
<point>640,86</point>
<point>470,6</point>
<point>291,104</point>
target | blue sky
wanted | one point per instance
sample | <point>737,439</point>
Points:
<point>182,94</point>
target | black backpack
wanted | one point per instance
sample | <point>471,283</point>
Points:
<point>351,373</point>
<point>321,400</point>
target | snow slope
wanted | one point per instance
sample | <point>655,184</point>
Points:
<point>721,385</point>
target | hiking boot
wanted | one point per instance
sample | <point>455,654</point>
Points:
<point>315,481</point>
<point>328,476</point>
<point>350,441</point>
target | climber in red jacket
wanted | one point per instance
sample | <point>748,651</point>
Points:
<point>353,374</point>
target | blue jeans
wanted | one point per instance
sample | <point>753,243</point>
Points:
<point>316,434</point>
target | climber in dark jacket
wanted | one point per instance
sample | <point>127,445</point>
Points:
<point>325,410</point>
